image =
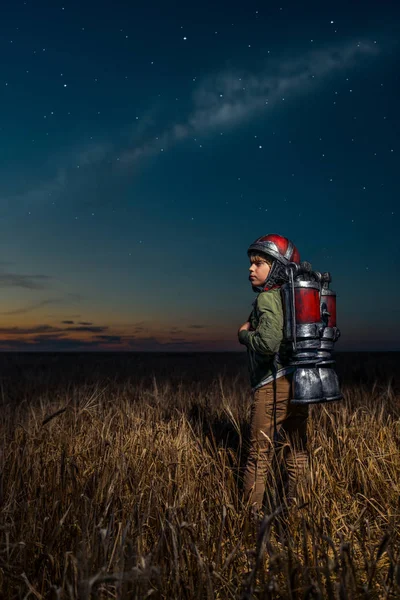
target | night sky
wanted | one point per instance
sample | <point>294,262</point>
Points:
<point>145,145</point>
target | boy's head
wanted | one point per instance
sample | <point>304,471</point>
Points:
<point>260,266</point>
<point>271,254</point>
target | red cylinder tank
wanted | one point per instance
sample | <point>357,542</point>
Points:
<point>307,303</point>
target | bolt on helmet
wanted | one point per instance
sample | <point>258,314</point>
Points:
<point>282,251</point>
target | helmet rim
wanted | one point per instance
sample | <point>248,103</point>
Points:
<point>271,248</point>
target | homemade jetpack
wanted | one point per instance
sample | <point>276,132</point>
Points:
<point>310,324</point>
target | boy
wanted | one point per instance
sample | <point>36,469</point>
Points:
<point>273,417</point>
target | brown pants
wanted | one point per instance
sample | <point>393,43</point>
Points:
<point>275,424</point>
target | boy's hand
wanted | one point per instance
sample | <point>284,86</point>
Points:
<point>246,326</point>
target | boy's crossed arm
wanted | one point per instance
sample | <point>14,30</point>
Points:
<point>268,335</point>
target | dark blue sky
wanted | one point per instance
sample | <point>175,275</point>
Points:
<point>144,146</point>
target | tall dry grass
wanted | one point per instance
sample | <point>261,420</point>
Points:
<point>129,487</point>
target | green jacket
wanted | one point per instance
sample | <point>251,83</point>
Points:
<point>267,352</point>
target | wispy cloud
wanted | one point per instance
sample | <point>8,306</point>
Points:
<point>31,307</point>
<point>30,282</point>
<point>85,323</point>
<point>92,329</point>
<point>50,329</point>
<point>109,339</point>
<point>47,338</point>
<point>29,330</point>
<point>68,298</point>
<point>44,337</point>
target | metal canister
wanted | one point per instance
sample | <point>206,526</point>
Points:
<point>307,325</point>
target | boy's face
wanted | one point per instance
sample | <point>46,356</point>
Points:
<point>259,271</point>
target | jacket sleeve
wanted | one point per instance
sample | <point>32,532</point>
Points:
<point>268,336</point>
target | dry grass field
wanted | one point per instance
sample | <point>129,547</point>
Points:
<point>121,478</point>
